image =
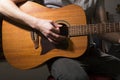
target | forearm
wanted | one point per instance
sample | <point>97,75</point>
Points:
<point>100,12</point>
<point>47,27</point>
<point>11,10</point>
<point>112,37</point>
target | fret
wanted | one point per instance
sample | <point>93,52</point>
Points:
<point>74,30</point>
<point>82,30</point>
<point>117,27</point>
<point>100,28</point>
<point>93,32</point>
<point>71,30</point>
<point>85,29</point>
<point>91,26</point>
<point>89,29</point>
<point>113,27</point>
<point>97,30</point>
<point>108,28</point>
<point>110,25</point>
<point>77,30</point>
<point>93,29</point>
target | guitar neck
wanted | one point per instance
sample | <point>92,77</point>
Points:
<point>82,30</point>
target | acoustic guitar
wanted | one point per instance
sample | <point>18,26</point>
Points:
<point>24,51</point>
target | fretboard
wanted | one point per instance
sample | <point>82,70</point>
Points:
<point>82,30</point>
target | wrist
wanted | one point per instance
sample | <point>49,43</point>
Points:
<point>30,21</point>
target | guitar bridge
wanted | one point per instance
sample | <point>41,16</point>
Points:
<point>35,39</point>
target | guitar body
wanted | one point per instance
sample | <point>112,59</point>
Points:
<point>19,48</point>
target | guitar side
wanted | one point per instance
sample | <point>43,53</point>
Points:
<point>17,44</point>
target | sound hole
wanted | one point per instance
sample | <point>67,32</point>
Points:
<point>63,29</point>
<point>64,32</point>
<point>64,44</point>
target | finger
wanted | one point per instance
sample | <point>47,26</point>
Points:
<point>56,37</point>
<point>56,25</point>
<point>55,30</point>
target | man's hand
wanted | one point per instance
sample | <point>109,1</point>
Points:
<point>49,29</point>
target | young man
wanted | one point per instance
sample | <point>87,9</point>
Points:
<point>96,62</point>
